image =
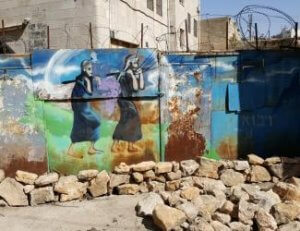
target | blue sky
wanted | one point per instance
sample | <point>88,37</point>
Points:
<point>232,7</point>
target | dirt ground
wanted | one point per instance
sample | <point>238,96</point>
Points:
<point>102,214</point>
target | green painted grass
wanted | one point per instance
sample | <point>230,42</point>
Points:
<point>55,121</point>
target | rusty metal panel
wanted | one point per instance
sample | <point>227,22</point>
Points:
<point>22,142</point>
<point>186,107</point>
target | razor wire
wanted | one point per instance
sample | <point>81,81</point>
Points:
<point>269,13</point>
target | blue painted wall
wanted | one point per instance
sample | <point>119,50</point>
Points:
<point>256,105</point>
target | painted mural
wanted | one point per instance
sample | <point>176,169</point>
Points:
<point>68,110</point>
<point>101,107</point>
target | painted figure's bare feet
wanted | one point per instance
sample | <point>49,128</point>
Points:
<point>73,154</point>
<point>133,148</point>
<point>115,146</point>
<point>92,151</point>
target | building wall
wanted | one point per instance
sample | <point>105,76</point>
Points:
<point>126,20</point>
<point>69,22</point>
<point>178,16</point>
<point>68,19</point>
<point>213,34</point>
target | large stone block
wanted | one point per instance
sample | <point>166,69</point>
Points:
<point>167,218</point>
<point>155,186</point>
<point>146,206</point>
<point>138,177</point>
<point>190,210</point>
<point>188,167</point>
<point>241,165</point>
<point>284,170</point>
<point>255,160</point>
<point>218,226</point>
<point>86,175</point>
<point>173,185</point>
<point>41,196</point>
<point>208,184</point>
<point>285,212</point>
<point>259,174</point>
<point>232,178</point>
<point>99,185</point>
<point>190,193</point>
<point>12,192</point>
<point>70,188</point>
<point>264,220</point>
<point>122,168</point>
<point>143,166</point>
<point>26,177</point>
<point>118,179</point>
<point>208,168</point>
<point>287,192</point>
<point>174,175</point>
<point>163,167</point>
<point>128,189</point>
<point>47,179</point>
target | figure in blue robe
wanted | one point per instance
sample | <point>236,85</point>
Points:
<point>129,127</point>
<point>86,123</point>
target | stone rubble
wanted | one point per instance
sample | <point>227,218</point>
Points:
<point>12,192</point>
<point>99,185</point>
<point>146,206</point>
<point>86,175</point>
<point>41,196</point>
<point>26,177</point>
<point>47,179</point>
<point>167,218</point>
<point>192,195</point>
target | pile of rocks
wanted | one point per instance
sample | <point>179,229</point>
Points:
<point>236,195</point>
<point>201,194</point>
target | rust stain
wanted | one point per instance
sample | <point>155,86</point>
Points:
<point>198,76</point>
<point>228,149</point>
<point>145,153</point>
<point>183,142</point>
<point>149,113</point>
<point>25,165</point>
<point>16,157</point>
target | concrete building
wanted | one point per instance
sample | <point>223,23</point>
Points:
<point>219,34</point>
<point>98,24</point>
<point>287,33</point>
